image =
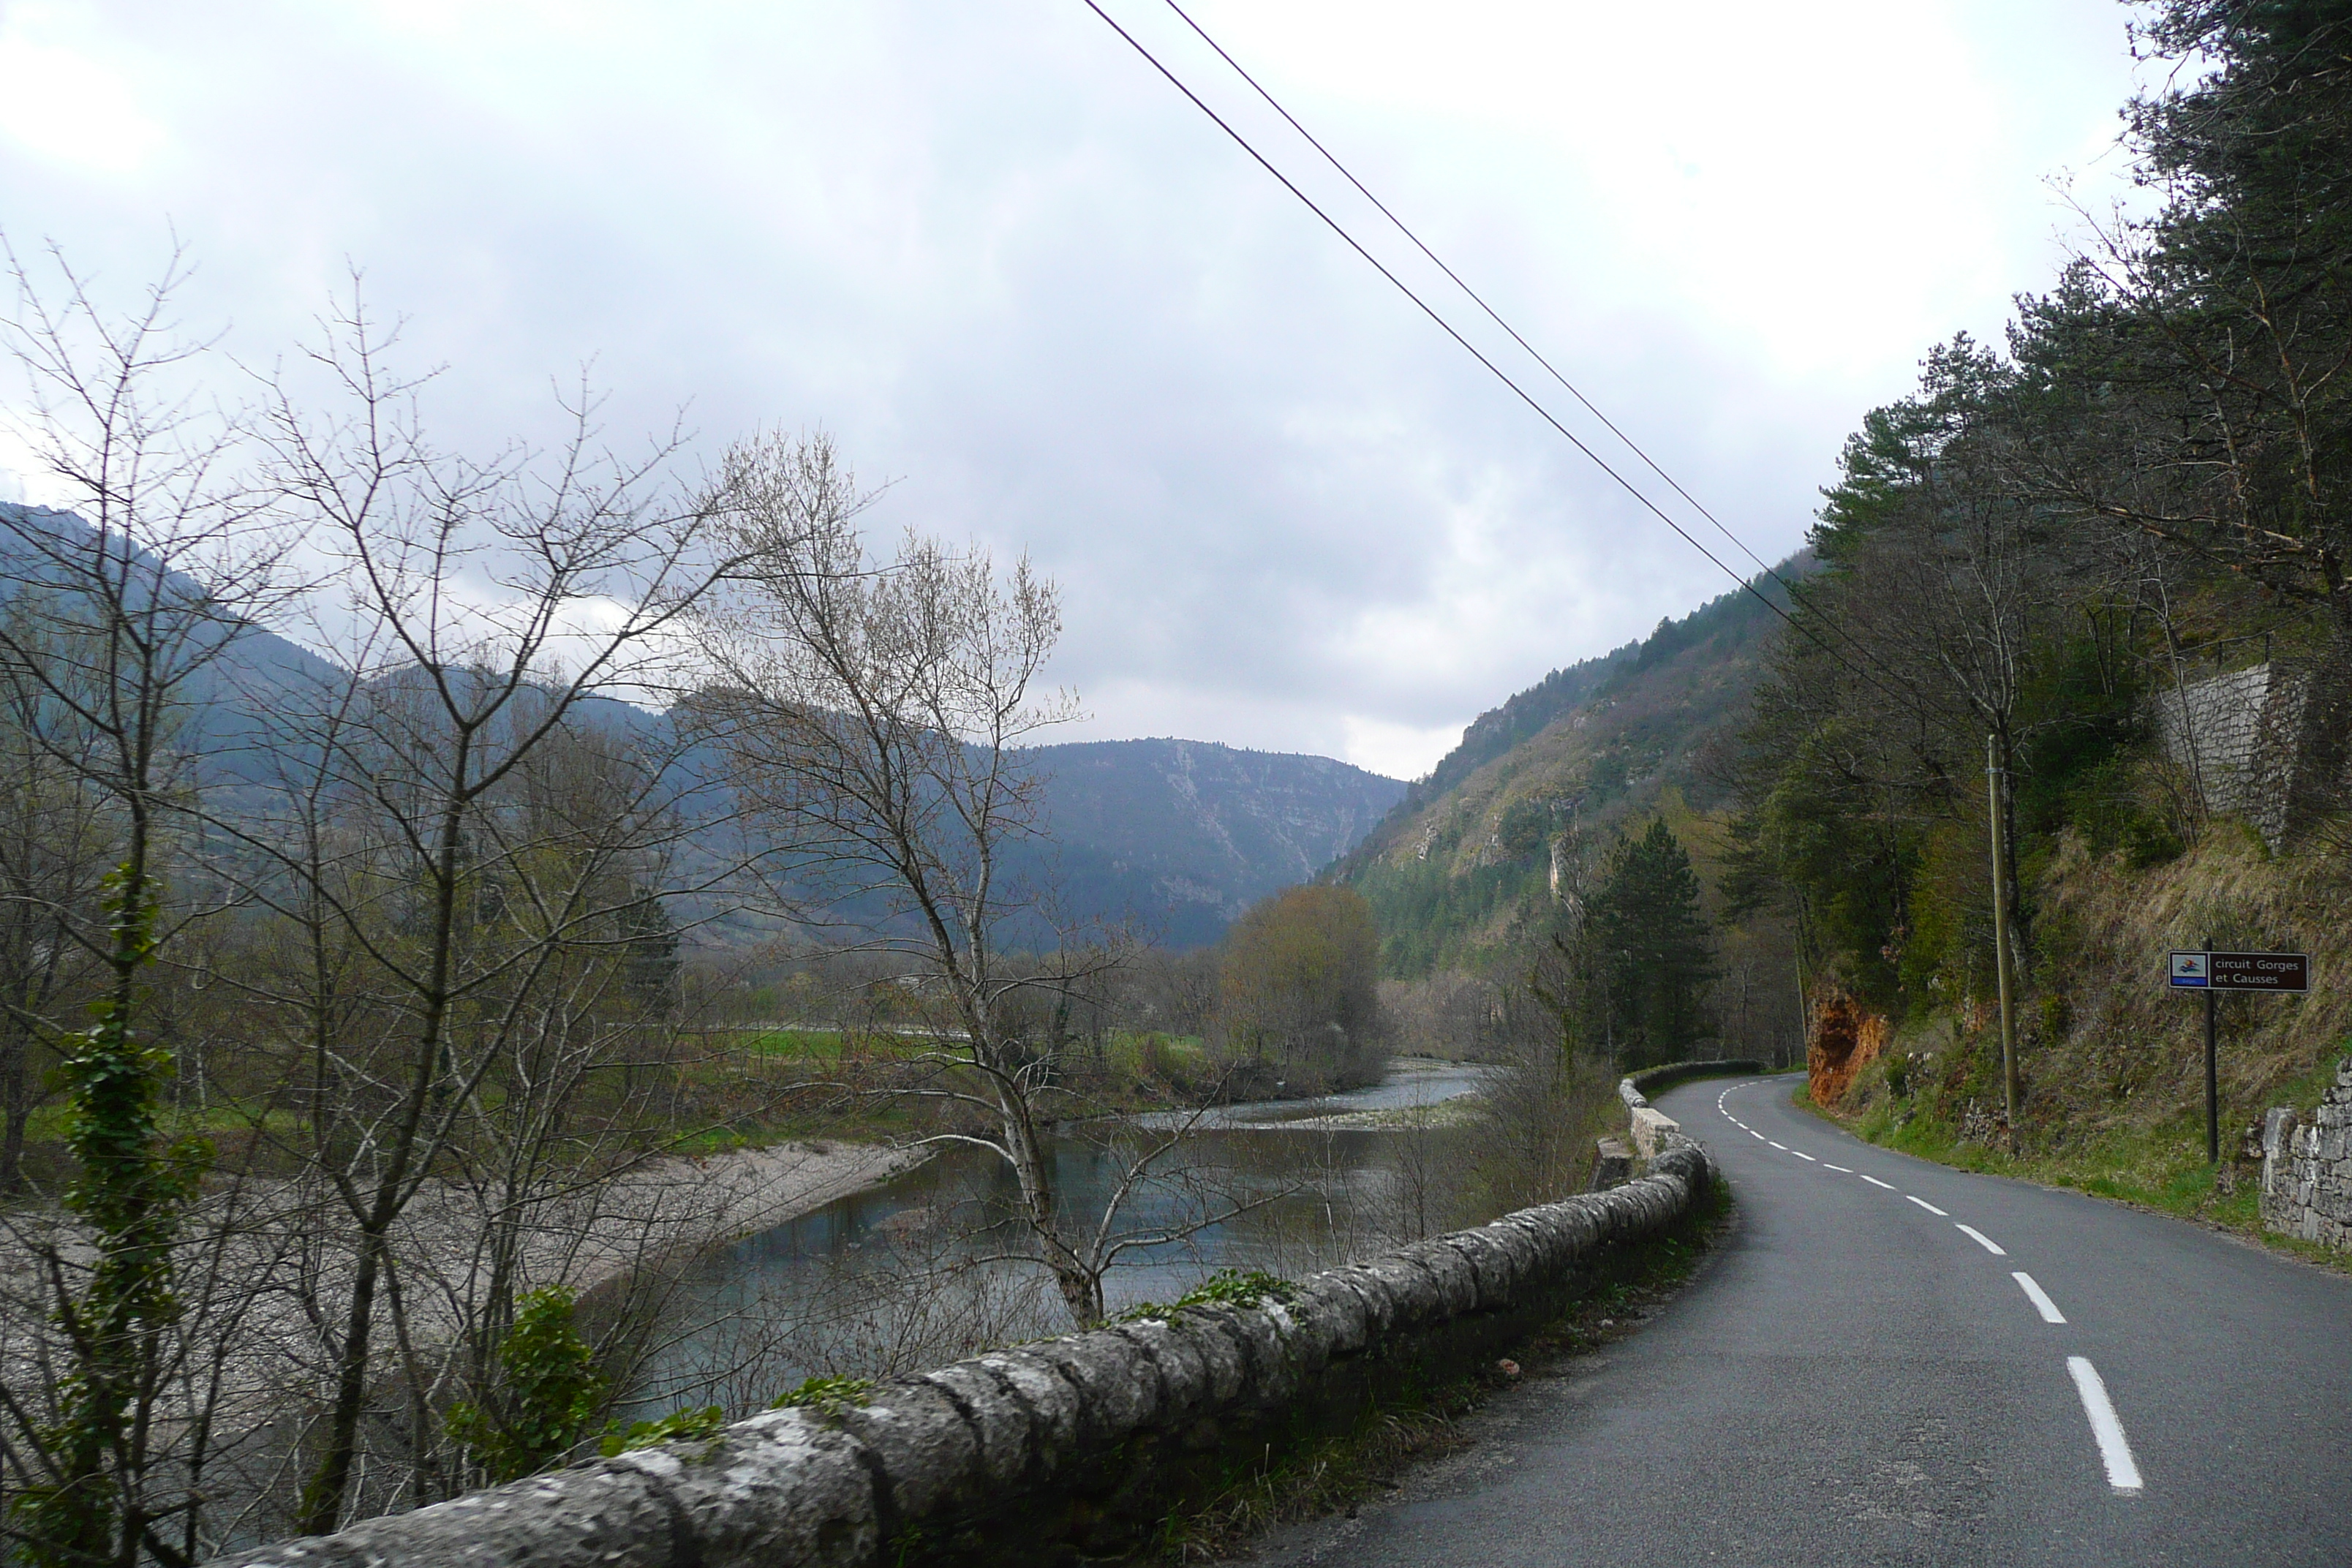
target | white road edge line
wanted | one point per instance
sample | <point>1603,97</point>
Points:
<point>1782,1147</point>
<point>1931,1208</point>
<point>1873,1180</point>
<point>2115,1450</point>
<point>1801,1155</point>
<point>1758,1136</point>
<point>1989,1245</point>
<point>1841,1169</point>
<point>2039,1297</point>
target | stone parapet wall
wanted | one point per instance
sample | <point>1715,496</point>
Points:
<point>2307,1167</point>
<point>1651,1129</point>
<point>1052,1451</point>
<point>1658,1079</point>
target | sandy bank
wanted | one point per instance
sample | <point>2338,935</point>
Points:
<point>708,1199</point>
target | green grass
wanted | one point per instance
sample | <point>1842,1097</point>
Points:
<point>800,1045</point>
<point>813,1047</point>
<point>1152,1055</point>
<point>1135,1071</point>
<point>1125,1053</point>
<point>737,1086</point>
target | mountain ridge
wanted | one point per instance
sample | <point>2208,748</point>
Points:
<point>1476,857</point>
<point>1175,835</point>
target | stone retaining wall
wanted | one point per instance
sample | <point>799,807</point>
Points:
<point>2213,729</point>
<point>1054,1450</point>
<point>2272,743</point>
<point>2307,1167</point>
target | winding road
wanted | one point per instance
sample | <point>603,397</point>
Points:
<point>1891,1362</point>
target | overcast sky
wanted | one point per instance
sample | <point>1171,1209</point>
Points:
<point>1010,268</point>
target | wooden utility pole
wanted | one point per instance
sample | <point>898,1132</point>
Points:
<point>2002,963</point>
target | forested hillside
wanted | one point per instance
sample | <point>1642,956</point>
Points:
<point>2034,571</point>
<point>1184,834</point>
<point>2038,560</point>
<point>1511,833</point>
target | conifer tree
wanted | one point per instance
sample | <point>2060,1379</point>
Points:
<point>1651,949</point>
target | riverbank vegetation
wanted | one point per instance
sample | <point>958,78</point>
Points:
<point>359,998</point>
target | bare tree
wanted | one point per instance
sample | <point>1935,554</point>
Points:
<point>121,609</point>
<point>482,607</point>
<point>59,837</point>
<point>876,713</point>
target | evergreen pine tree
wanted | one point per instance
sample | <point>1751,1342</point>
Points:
<point>1651,948</point>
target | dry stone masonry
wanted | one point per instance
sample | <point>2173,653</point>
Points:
<point>2266,742</point>
<point>2211,729</point>
<point>1052,1451</point>
<point>2307,1167</point>
<point>1653,1131</point>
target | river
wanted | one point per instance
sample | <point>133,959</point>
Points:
<point>924,1268</point>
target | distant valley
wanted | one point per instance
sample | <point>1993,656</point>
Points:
<point>1171,838</point>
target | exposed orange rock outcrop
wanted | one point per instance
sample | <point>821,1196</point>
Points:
<point>1841,1039</point>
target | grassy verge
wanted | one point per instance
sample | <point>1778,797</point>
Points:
<point>753,1088</point>
<point>2161,1168</point>
<point>708,1091</point>
<point>1337,1474</point>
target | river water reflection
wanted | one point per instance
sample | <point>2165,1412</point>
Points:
<point>924,1268</point>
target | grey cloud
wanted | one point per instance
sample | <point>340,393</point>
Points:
<point>1009,268</point>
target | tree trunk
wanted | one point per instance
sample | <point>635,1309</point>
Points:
<point>322,1496</point>
<point>16,1105</point>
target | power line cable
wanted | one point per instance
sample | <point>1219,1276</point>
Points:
<point>1476,299</point>
<point>1401,287</point>
<point>1492,314</point>
<point>1496,370</point>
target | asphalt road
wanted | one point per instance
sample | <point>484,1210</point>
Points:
<point>1858,1377</point>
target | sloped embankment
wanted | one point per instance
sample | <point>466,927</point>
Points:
<point>2111,1060</point>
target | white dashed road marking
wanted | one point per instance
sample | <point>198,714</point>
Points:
<point>2115,1450</point>
<point>2039,1297</point>
<point>2106,1428</point>
<point>1981,1239</point>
